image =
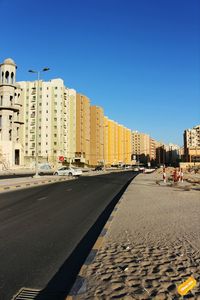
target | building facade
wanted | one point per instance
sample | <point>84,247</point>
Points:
<point>191,138</point>
<point>11,122</point>
<point>82,154</point>
<point>53,106</point>
<point>96,135</point>
<point>141,147</point>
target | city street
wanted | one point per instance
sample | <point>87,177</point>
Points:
<point>46,233</point>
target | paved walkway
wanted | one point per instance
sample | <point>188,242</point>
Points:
<point>151,246</point>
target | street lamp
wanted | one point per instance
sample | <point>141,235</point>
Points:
<point>37,121</point>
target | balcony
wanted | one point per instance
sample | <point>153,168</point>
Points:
<point>19,121</point>
<point>10,107</point>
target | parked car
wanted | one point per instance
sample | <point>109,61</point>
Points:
<point>68,171</point>
<point>45,169</point>
<point>98,168</point>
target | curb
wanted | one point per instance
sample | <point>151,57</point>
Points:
<point>32,184</point>
<point>80,283</point>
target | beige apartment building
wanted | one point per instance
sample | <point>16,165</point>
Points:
<point>96,135</point>
<point>54,107</point>
<point>117,143</point>
<point>141,146</point>
<point>82,154</point>
<point>127,146</point>
<point>11,122</point>
<point>192,144</point>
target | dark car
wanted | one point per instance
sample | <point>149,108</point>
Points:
<point>98,168</point>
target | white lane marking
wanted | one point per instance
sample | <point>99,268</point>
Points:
<point>42,198</point>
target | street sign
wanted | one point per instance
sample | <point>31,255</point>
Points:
<point>61,158</point>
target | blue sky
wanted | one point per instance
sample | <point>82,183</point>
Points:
<point>139,59</point>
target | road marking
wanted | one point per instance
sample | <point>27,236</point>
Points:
<point>68,190</point>
<point>42,198</point>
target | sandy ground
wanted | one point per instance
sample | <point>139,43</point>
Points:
<point>152,245</point>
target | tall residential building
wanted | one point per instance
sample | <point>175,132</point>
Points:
<point>105,136</point>
<point>141,146</point>
<point>54,106</point>
<point>121,144</point>
<point>192,144</point>
<point>11,150</point>
<point>152,150</point>
<point>96,135</point>
<point>117,143</point>
<point>82,155</point>
<point>127,147</point>
<point>112,142</point>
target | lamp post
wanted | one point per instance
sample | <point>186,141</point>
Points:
<point>37,120</point>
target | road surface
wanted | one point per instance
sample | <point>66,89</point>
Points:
<point>46,232</point>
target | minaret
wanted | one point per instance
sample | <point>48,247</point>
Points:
<point>10,109</point>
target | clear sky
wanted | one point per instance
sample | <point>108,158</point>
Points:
<point>139,59</point>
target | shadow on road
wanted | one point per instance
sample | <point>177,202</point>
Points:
<point>59,286</point>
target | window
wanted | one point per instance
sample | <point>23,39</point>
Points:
<point>10,135</point>
<point>1,101</point>
<point>7,76</point>
<point>0,121</point>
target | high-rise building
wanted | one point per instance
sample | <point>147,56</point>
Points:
<point>54,107</point>
<point>127,146</point>
<point>82,155</point>
<point>96,135</point>
<point>192,144</point>
<point>10,117</point>
<point>141,146</point>
<point>117,143</point>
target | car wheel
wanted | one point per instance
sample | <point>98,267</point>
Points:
<point>70,174</point>
<point>56,173</point>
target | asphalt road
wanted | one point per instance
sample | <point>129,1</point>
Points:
<point>46,232</point>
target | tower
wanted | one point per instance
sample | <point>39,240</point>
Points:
<point>10,116</point>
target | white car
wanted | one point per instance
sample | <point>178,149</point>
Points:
<point>68,171</point>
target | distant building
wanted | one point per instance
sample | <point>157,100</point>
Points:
<point>191,139</point>
<point>11,122</point>
<point>173,154</point>
<point>141,147</point>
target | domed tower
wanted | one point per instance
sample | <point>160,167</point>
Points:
<point>10,109</point>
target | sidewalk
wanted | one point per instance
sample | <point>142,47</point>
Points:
<point>151,246</point>
<point>27,182</point>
